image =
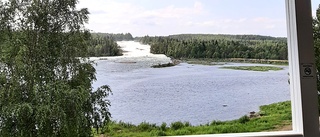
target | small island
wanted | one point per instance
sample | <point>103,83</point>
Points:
<point>253,68</point>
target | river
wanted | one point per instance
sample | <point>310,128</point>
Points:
<point>185,92</point>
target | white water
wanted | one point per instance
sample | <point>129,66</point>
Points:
<point>134,52</point>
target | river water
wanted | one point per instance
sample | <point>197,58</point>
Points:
<point>185,92</point>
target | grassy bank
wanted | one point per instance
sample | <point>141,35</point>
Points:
<point>271,117</point>
<point>253,68</point>
<point>210,61</point>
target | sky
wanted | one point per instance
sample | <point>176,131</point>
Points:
<point>167,17</point>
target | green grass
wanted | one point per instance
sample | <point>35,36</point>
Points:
<point>271,117</point>
<point>212,61</point>
<point>253,68</point>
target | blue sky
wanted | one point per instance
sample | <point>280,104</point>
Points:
<point>166,17</point>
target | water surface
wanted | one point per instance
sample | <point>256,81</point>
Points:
<point>186,92</point>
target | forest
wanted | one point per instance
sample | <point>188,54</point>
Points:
<point>218,46</point>
<point>116,36</point>
<point>105,44</point>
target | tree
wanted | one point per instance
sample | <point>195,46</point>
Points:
<point>316,38</point>
<point>45,76</point>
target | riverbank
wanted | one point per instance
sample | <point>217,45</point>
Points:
<point>253,68</point>
<point>200,61</point>
<point>210,61</point>
<point>271,117</point>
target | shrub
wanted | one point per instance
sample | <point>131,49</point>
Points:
<point>177,125</point>
<point>262,113</point>
<point>125,125</point>
<point>182,132</point>
<point>158,133</point>
<point>244,119</point>
<point>215,123</point>
<point>187,124</point>
<point>145,126</point>
<point>163,126</point>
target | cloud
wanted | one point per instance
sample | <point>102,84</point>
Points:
<point>258,25</point>
<point>198,6</point>
<point>172,12</point>
<point>261,20</point>
<point>268,23</point>
<point>113,16</point>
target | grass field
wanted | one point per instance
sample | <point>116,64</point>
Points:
<point>271,117</point>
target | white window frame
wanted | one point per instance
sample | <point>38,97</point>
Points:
<point>305,117</point>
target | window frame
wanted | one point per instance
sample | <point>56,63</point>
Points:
<point>304,100</point>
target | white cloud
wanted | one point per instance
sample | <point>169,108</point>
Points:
<point>262,20</point>
<point>119,17</point>
<point>198,6</point>
<point>258,25</point>
<point>113,16</point>
<point>268,23</point>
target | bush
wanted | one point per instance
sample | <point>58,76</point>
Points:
<point>262,113</point>
<point>215,123</point>
<point>177,125</point>
<point>158,133</point>
<point>125,125</point>
<point>182,132</point>
<point>163,126</point>
<point>244,119</point>
<point>187,124</point>
<point>145,126</point>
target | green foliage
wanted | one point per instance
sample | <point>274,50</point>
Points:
<point>253,68</point>
<point>187,124</point>
<point>274,116</point>
<point>181,132</point>
<point>163,126</point>
<point>125,125</point>
<point>45,77</point>
<point>145,126</point>
<point>211,61</point>
<point>244,119</point>
<point>223,36</point>
<point>176,125</point>
<point>218,46</point>
<point>316,38</point>
<point>158,133</point>
<point>116,37</point>
<point>103,46</point>
<point>214,123</point>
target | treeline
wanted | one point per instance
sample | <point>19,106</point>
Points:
<point>224,36</point>
<point>116,37</point>
<point>218,46</point>
<point>103,46</point>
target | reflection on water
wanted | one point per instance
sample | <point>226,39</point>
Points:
<point>194,93</point>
